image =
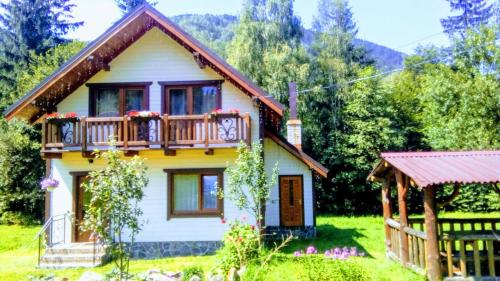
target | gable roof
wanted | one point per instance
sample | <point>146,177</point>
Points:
<point>436,168</point>
<point>99,53</point>
<point>299,154</point>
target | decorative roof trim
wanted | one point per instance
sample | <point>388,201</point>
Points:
<point>168,25</point>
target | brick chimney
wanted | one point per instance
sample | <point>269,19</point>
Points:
<point>293,125</point>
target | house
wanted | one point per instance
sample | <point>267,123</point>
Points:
<point>145,62</point>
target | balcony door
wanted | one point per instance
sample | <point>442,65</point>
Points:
<point>191,99</point>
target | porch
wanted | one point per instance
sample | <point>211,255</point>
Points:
<point>453,249</point>
<point>167,132</point>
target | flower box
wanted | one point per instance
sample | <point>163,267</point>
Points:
<point>49,184</point>
<point>219,113</point>
<point>59,118</point>
<point>143,115</point>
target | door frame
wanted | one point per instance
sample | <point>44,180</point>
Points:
<point>303,203</point>
<point>74,193</point>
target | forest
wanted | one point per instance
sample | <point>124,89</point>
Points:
<point>351,106</point>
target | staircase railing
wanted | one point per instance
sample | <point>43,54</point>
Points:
<point>47,232</point>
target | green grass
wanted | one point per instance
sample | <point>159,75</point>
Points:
<point>18,251</point>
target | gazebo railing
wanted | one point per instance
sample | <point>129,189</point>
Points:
<point>468,247</point>
<point>416,245</point>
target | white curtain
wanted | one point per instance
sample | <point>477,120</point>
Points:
<point>209,192</point>
<point>185,192</point>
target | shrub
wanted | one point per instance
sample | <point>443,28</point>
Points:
<point>191,271</point>
<point>318,268</point>
<point>241,246</point>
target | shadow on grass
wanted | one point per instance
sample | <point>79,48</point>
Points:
<point>328,237</point>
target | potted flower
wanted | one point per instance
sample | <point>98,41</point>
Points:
<point>49,184</point>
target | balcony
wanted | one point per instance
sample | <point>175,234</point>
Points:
<point>133,134</point>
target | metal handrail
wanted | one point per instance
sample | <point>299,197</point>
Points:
<point>48,226</point>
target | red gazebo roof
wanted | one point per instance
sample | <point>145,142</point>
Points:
<point>435,168</point>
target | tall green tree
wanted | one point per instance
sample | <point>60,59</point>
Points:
<point>129,5</point>
<point>471,14</point>
<point>21,200</point>
<point>30,26</point>
<point>267,40</point>
<point>345,122</point>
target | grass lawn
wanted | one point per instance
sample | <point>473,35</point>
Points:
<point>18,251</point>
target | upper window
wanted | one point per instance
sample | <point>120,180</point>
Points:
<point>194,193</point>
<point>199,98</point>
<point>112,100</point>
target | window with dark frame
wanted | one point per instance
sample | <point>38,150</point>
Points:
<point>194,193</point>
<point>191,98</point>
<point>117,99</point>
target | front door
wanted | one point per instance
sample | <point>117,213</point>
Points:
<point>82,201</point>
<point>291,202</point>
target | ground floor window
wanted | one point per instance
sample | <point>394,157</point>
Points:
<point>194,193</point>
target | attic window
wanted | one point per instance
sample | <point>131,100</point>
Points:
<point>116,99</point>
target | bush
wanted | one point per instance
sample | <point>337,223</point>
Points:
<point>17,218</point>
<point>191,271</point>
<point>318,268</point>
<point>241,246</point>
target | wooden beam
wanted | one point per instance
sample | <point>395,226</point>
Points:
<point>430,214</point>
<point>130,153</point>
<point>387,211</point>
<point>199,60</point>
<point>51,155</point>
<point>403,215</point>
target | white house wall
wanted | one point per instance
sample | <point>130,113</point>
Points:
<point>156,57</point>
<point>154,204</point>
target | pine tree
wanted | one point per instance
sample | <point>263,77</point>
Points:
<point>30,26</point>
<point>473,13</point>
<point>129,5</point>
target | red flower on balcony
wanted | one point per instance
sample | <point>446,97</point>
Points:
<point>55,116</point>
<point>143,114</point>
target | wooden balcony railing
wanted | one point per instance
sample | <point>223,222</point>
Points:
<point>167,132</point>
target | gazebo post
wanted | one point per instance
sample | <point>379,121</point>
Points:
<point>387,211</point>
<point>403,215</point>
<point>432,249</point>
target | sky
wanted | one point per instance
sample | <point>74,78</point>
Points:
<point>398,24</point>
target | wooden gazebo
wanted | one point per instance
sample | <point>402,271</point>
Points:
<point>449,248</point>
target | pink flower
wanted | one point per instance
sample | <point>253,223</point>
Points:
<point>223,220</point>
<point>297,253</point>
<point>311,250</point>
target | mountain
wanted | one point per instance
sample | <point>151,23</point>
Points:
<point>216,31</point>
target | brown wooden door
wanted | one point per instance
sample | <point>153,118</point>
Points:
<point>291,201</point>
<point>82,200</point>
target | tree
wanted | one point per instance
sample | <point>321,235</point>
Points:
<point>472,14</point>
<point>21,169</point>
<point>267,28</point>
<point>116,191</point>
<point>129,5</point>
<point>336,61</point>
<point>38,68</point>
<point>248,184</point>
<point>30,25</point>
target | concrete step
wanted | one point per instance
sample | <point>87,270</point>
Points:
<point>83,258</point>
<point>74,255</point>
<point>76,249</point>
<point>67,265</point>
